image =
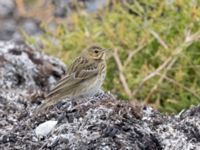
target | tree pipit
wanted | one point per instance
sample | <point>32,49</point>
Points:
<point>84,77</point>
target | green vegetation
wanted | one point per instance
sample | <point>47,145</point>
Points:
<point>154,49</point>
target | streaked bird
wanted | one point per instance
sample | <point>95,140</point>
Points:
<point>84,77</point>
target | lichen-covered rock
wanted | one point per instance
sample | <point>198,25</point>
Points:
<point>25,69</point>
<point>99,122</point>
<point>7,8</point>
<point>26,74</point>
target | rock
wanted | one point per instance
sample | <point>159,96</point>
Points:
<point>95,5</point>
<point>99,122</point>
<point>7,29</point>
<point>60,12</point>
<point>25,69</point>
<point>31,27</point>
<point>45,128</point>
<point>11,22</point>
<point>7,8</point>
<point>61,7</point>
<point>25,76</point>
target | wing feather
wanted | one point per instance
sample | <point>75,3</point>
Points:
<point>76,75</point>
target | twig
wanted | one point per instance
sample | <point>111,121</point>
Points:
<point>151,75</point>
<point>155,87</point>
<point>159,39</point>
<point>181,86</point>
<point>189,39</point>
<point>121,75</point>
<point>21,7</point>
<point>132,53</point>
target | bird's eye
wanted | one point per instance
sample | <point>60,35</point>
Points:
<point>96,51</point>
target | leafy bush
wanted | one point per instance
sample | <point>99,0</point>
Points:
<point>154,48</point>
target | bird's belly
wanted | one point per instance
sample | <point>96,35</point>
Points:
<point>91,88</point>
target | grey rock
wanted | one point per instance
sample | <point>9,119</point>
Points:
<point>7,29</point>
<point>7,8</point>
<point>31,27</point>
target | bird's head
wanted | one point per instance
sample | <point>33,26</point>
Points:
<point>95,52</point>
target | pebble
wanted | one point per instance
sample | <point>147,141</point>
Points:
<point>45,128</point>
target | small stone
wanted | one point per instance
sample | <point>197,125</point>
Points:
<point>7,8</point>
<point>45,128</point>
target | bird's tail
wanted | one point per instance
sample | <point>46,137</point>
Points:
<point>46,104</point>
<point>50,100</point>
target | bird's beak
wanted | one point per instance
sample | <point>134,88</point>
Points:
<point>103,56</point>
<point>106,50</point>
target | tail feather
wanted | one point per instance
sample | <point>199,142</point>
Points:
<point>50,100</point>
<point>46,104</point>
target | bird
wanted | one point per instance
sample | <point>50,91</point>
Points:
<point>84,77</point>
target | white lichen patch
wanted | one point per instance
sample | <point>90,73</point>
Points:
<point>45,128</point>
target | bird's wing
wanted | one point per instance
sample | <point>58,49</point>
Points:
<point>78,63</point>
<point>77,74</point>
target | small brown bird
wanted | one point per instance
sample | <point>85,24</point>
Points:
<point>84,77</point>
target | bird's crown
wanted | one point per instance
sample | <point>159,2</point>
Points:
<point>95,52</point>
